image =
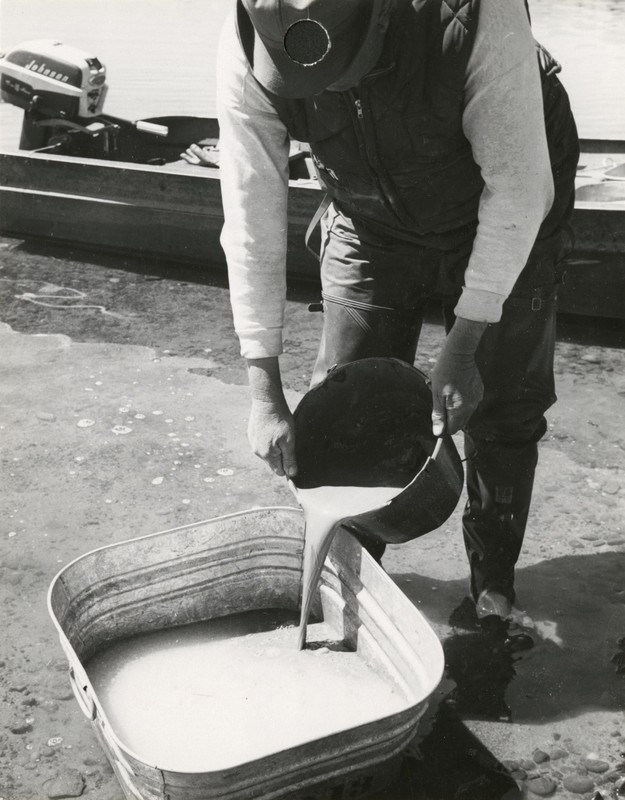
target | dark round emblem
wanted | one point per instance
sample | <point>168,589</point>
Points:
<point>307,42</point>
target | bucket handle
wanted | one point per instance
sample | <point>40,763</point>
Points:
<point>437,448</point>
<point>82,695</point>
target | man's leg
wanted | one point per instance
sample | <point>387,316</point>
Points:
<point>373,296</point>
<point>374,291</point>
<point>515,358</point>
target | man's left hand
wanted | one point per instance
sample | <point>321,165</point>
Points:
<point>457,386</point>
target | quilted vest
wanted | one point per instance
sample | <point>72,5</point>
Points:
<point>392,151</point>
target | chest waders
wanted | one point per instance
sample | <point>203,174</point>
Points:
<point>404,194</point>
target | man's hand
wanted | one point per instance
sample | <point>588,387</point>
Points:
<point>457,387</point>
<point>271,436</point>
<point>270,429</point>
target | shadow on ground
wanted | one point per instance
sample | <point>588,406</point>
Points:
<point>573,664</point>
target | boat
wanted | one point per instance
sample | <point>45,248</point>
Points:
<point>84,177</point>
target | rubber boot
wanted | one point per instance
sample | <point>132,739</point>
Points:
<point>500,479</point>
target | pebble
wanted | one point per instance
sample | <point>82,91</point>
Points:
<point>595,765</point>
<point>578,784</point>
<point>542,786</point>
<point>70,784</point>
<point>540,756</point>
<point>20,728</point>
<point>558,753</point>
<point>526,764</point>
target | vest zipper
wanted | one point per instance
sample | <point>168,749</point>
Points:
<point>375,168</point>
<point>354,102</point>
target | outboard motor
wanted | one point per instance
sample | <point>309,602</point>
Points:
<point>61,90</point>
<point>53,79</point>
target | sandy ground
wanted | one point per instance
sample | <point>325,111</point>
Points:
<point>124,413</point>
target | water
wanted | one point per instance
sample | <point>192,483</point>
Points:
<point>214,695</point>
<point>324,507</point>
<point>588,38</point>
<point>160,54</point>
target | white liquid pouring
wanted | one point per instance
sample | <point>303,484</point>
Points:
<point>324,507</point>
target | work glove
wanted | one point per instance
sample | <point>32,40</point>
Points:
<point>457,386</point>
<point>271,435</point>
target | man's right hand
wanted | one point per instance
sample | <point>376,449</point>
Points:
<point>270,432</point>
<point>270,429</point>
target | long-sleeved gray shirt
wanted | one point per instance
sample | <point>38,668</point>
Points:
<point>502,119</point>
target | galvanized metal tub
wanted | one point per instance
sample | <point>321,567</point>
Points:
<point>228,565</point>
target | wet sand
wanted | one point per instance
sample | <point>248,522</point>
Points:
<point>124,412</point>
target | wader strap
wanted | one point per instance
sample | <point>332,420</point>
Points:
<point>321,210</point>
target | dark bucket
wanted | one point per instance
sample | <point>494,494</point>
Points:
<point>369,424</point>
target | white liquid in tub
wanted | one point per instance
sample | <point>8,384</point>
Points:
<point>324,507</point>
<point>214,695</point>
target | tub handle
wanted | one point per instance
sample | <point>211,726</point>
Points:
<point>82,695</point>
<point>89,709</point>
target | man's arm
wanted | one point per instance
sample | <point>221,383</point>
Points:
<point>503,119</point>
<point>254,151</point>
<point>504,122</point>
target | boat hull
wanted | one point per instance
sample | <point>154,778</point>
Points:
<point>173,211</point>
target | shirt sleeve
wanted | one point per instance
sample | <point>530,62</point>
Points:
<point>503,120</point>
<point>253,158</point>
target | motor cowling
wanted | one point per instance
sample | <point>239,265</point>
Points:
<point>52,79</point>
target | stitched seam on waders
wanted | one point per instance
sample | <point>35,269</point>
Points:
<point>359,319</point>
<point>331,298</point>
